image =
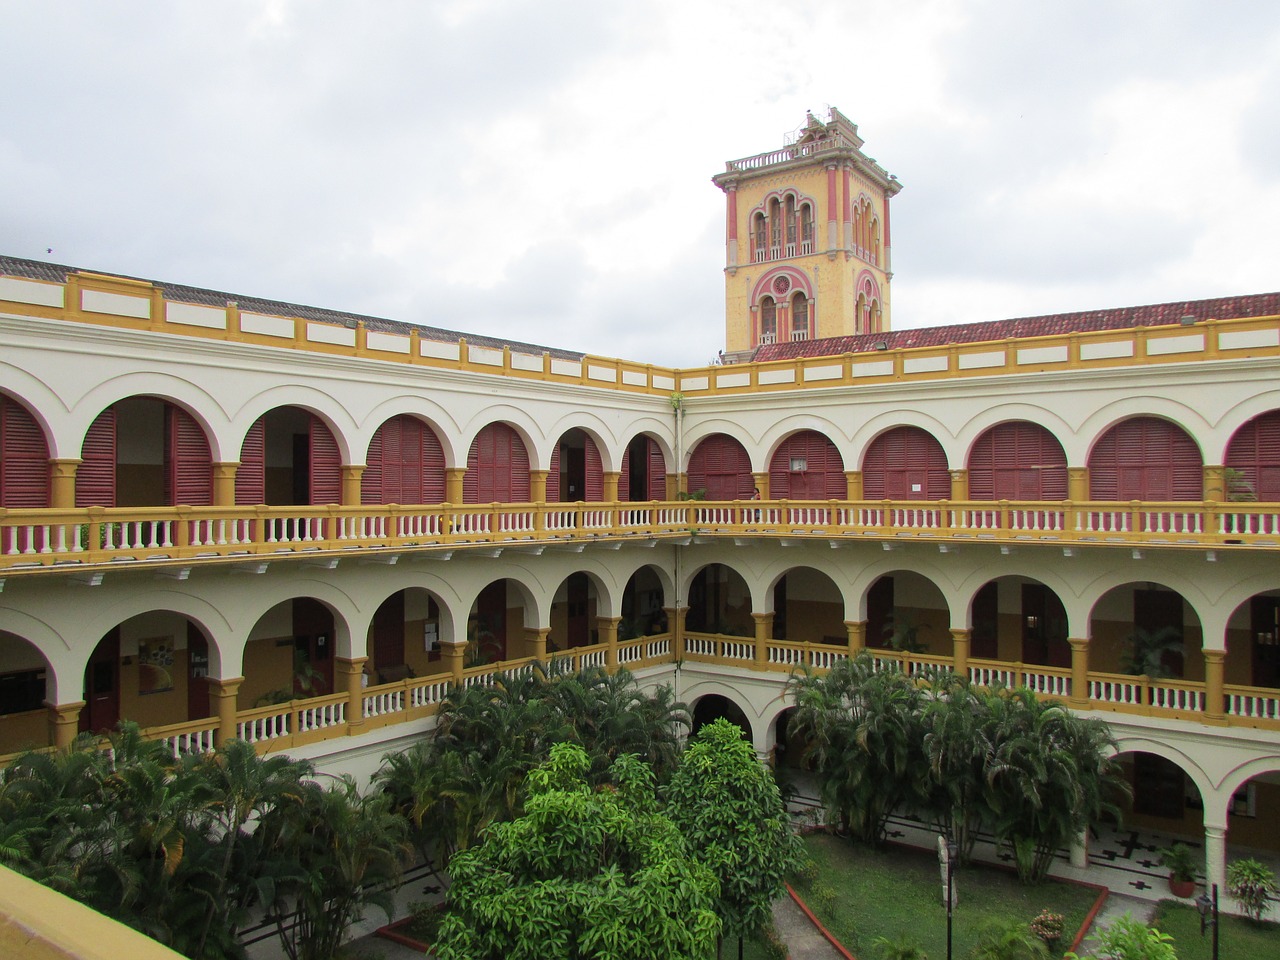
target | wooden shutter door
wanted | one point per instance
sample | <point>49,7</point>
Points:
<point>96,476</point>
<point>1254,450</point>
<point>251,475</point>
<point>432,467</point>
<point>326,464</point>
<point>24,459</point>
<point>624,478</point>
<point>595,472</point>
<point>553,475</point>
<point>1146,458</point>
<point>371,479</point>
<point>657,472</point>
<point>1017,461</point>
<point>901,457</point>
<point>188,462</point>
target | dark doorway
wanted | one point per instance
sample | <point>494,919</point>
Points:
<point>880,612</point>
<point>388,635</point>
<point>1044,627</point>
<point>712,707</point>
<point>1265,633</point>
<point>198,705</point>
<point>312,648</point>
<point>984,643</point>
<point>578,590</point>
<point>102,685</point>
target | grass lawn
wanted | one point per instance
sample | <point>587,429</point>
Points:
<point>1239,939</point>
<point>899,891</point>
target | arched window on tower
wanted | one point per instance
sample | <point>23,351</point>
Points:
<point>775,229</point>
<point>760,239</point>
<point>768,320</point>
<point>806,229</point>
<point>791,225</point>
<point>799,316</point>
<point>866,232</point>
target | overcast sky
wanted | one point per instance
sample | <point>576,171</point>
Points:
<point>540,169</point>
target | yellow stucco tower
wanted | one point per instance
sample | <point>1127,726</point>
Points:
<point>807,239</point>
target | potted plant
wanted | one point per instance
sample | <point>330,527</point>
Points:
<point>1253,884</point>
<point>1181,864</point>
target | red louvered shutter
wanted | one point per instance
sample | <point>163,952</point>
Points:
<point>189,464</point>
<point>1254,450</point>
<point>393,461</point>
<point>721,465</point>
<point>251,475</point>
<point>624,478</point>
<point>371,480</point>
<point>657,472</point>
<point>410,460</point>
<point>96,476</point>
<point>24,459</point>
<point>433,479</point>
<point>823,476</point>
<point>497,467</point>
<point>326,465</point>
<point>1017,461</point>
<point>595,472</point>
<point>1146,458</point>
<point>902,459</point>
<point>553,475</point>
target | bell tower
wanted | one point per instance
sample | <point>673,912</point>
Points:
<point>807,239</point>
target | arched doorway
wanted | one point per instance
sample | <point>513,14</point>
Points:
<point>144,452</point>
<point>289,457</point>
<point>712,707</point>
<point>719,602</point>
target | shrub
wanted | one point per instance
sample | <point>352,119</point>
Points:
<point>1252,884</point>
<point>1130,939</point>
<point>1047,926</point>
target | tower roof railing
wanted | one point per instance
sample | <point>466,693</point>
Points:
<point>793,152</point>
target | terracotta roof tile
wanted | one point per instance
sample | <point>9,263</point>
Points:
<point>1221,308</point>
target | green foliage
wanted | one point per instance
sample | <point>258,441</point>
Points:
<point>729,809</point>
<point>343,852</point>
<point>470,773</point>
<point>165,845</point>
<point>1252,883</point>
<point>1180,862</point>
<point>1008,942</point>
<point>864,731</point>
<point>1029,770</point>
<point>1146,651</point>
<point>904,947</point>
<point>585,872</point>
<point>1130,939</point>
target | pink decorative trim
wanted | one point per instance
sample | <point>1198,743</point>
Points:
<point>799,281</point>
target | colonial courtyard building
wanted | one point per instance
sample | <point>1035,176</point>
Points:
<point>223,516</point>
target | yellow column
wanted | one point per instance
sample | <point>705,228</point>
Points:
<point>857,632</point>
<point>611,479</point>
<point>853,480</point>
<point>1214,703</point>
<point>453,483</point>
<point>608,630</point>
<point>224,484</point>
<point>351,473</point>
<point>677,483</point>
<point>764,627</point>
<point>535,642</point>
<point>64,719</point>
<point>454,654</point>
<point>538,485</point>
<point>62,483</point>
<point>675,623</point>
<point>959,485</point>
<point>222,700</point>
<point>960,651</point>
<point>1079,698</point>
<point>1215,483</point>
<point>1078,483</point>
<point>350,677</point>
<point>761,481</point>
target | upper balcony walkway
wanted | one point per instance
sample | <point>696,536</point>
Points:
<point>33,541</point>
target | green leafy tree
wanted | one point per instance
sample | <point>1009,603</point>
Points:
<point>864,729</point>
<point>953,748</point>
<point>584,873</point>
<point>727,805</point>
<point>1253,884</point>
<point>346,850</point>
<point>1129,939</point>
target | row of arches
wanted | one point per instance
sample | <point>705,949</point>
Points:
<point>782,226</point>
<point>149,451</point>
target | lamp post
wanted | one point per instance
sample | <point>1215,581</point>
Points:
<point>1209,916</point>
<point>946,861</point>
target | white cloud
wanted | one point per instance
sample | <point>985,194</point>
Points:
<point>540,170</point>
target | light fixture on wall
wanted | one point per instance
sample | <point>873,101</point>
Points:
<point>880,345</point>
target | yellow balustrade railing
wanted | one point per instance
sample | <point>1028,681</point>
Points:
<point>316,719</point>
<point>45,538</point>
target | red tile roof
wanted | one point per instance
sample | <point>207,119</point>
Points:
<point>1221,308</point>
